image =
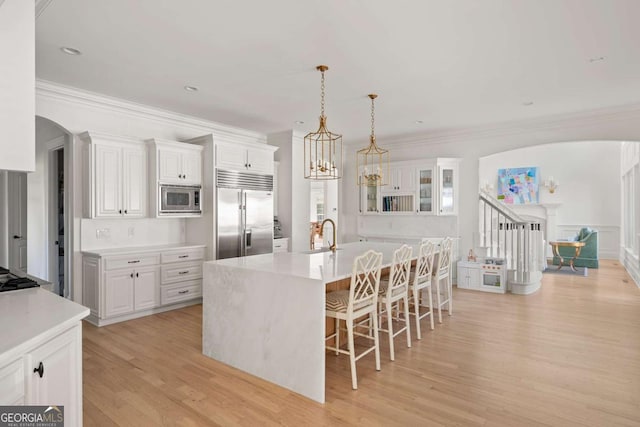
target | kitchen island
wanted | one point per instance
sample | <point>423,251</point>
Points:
<point>265,314</point>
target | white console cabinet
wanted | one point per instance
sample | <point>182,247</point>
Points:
<point>145,281</point>
<point>115,176</point>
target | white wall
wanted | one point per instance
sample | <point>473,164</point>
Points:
<point>131,232</point>
<point>588,196</point>
<point>293,189</point>
<point>17,91</point>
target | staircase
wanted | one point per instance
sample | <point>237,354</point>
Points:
<point>504,234</point>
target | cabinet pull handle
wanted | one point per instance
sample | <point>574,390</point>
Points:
<point>183,272</point>
<point>186,291</point>
<point>183,256</point>
<point>39,370</point>
<point>133,262</point>
<point>137,275</point>
<point>17,237</point>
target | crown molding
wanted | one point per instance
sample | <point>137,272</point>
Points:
<point>41,5</point>
<point>54,91</point>
<point>514,128</point>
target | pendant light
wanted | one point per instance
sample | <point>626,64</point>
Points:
<point>322,149</point>
<point>373,162</point>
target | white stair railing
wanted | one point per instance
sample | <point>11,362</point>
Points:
<point>504,234</point>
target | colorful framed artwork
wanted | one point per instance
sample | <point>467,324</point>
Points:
<point>518,186</point>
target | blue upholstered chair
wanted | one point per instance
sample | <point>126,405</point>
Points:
<point>589,253</point>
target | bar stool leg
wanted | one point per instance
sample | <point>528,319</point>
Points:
<point>352,355</point>
<point>430,306</point>
<point>337,335</point>
<point>406,319</point>
<point>416,309</point>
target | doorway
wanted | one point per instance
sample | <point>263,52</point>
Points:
<point>56,226</point>
<point>323,205</point>
<point>17,221</point>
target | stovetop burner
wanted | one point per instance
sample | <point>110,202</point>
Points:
<point>10,282</point>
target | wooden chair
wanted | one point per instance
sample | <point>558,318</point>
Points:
<point>443,272</point>
<point>421,279</point>
<point>361,299</point>
<point>396,290</point>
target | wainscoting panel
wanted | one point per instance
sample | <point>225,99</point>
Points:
<point>608,238</point>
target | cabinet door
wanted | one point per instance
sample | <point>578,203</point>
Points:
<point>192,167</point>
<point>369,198</point>
<point>54,374</point>
<point>147,288</point>
<point>230,157</point>
<point>447,183</point>
<point>134,165</point>
<point>12,383</point>
<point>260,160</point>
<point>108,181</point>
<point>425,190</point>
<point>407,179</point>
<point>394,180</point>
<point>118,292</point>
<point>17,220</point>
<point>475,275</point>
<point>170,166</point>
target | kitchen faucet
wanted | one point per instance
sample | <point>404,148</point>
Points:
<point>332,246</point>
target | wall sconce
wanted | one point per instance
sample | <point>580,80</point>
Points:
<point>551,184</point>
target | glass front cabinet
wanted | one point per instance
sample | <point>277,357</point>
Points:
<point>426,190</point>
<point>447,187</point>
<point>369,198</point>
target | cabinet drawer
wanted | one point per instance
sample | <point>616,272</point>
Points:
<point>182,255</point>
<point>131,261</point>
<point>184,291</point>
<point>12,383</point>
<point>181,271</point>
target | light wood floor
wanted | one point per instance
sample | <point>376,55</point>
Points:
<point>567,355</point>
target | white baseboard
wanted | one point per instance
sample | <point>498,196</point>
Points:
<point>631,263</point>
<point>94,320</point>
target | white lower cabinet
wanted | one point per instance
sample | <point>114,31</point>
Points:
<point>12,383</point>
<point>122,287</point>
<point>48,373</point>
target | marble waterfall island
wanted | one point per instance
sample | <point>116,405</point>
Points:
<point>265,314</point>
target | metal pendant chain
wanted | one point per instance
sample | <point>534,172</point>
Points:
<point>322,95</point>
<point>372,120</point>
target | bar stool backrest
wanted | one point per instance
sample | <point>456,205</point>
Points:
<point>365,281</point>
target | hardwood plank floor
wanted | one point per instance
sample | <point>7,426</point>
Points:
<point>567,355</point>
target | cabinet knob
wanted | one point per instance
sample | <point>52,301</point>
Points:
<point>39,370</point>
<point>184,176</point>
<point>125,211</point>
<point>137,275</point>
<point>131,275</point>
<point>180,176</point>
<point>120,211</point>
<point>249,164</point>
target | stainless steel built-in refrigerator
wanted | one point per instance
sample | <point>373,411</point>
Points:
<point>244,208</point>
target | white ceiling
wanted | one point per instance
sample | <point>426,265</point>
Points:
<point>450,63</point>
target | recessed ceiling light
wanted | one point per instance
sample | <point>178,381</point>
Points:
<point>299,122</point>
<point>596,59</point>
<point>419,122</point>
<point>527,103</point>
<point>70,51</point>
<point>191,88</point>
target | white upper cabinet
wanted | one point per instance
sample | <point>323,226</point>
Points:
<point>176,162</point>
<point>115,172</point>
<point>245,157</point>
<point>448,187</point>
<point>402,179</point>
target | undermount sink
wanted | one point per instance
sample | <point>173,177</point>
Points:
<point>317,251</point>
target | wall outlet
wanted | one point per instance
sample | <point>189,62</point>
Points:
<point>131,232</point>
<point>103,233</point>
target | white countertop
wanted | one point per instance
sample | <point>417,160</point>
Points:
<point>29,313</point>
<point>140,249</point>
<point>325,266</point>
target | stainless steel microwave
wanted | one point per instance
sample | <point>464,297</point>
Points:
<point>179,199</point>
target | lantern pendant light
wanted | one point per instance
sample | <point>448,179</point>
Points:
<point>373,162</point>
<point>322,148</point>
